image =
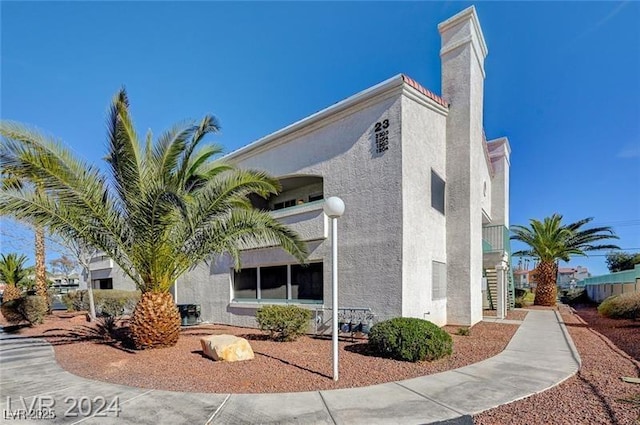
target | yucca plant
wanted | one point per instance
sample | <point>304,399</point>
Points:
<point>162,207</point>
<point>550,241</point>
<point>14,274</point>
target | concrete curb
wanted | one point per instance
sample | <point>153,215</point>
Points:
<point>567,337</point>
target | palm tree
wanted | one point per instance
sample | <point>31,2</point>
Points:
<point>40,269</point>
<point>14,274</point>
<point>550,241</point>
<point>162,208</point>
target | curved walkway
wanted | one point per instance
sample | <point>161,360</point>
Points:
<point>540,355</point>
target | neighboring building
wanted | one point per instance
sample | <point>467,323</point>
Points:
<point>523,279</point>
<point>105,274</point>
<point>568,277</point>
<point>427,202</point>
<point>63,284</point>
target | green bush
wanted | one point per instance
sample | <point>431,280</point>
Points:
<point>73,300</point>
<point>283,322</point>
<point>35,308</point>
<point>464,331</point>
<point>108,302</point>
<point>32,309</point>
<point>624,306</point>
<point>11,312</point>
<point>410,339</point>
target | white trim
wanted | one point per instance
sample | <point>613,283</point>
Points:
<point>420,98</point>
<point>348,106</point>
<point>470,15</point>
<point>393,86</point>
<point>467,14</point>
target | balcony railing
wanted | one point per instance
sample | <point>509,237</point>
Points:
<point>308,220</point>
<point>496,238</point>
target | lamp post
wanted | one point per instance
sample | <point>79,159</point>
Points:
<point>334,208</point>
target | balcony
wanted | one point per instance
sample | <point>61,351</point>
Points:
<point>495,239</point>
<point>298,205</point>
<point>308,220</point>
<point>100,262</point>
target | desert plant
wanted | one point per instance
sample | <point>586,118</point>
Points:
<point>410,339</point>
<point>35,308</point>
<point>623,306</point>
<point>14,274</point>
<point>162,208</point>
<point>32,309</point>
<point>11,312</point>
<point>112,302</point>
<point>283,322</point>
<point>463,331</point>
<point>549,241</point>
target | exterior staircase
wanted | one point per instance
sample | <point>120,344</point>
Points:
<point>492,288</point>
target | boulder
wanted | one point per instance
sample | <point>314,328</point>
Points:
<point>228,348</point>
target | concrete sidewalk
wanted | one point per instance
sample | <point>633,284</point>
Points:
<point>540,355</point>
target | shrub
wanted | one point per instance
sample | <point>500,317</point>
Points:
<point>410,339</point>
<point>32,309</point>
<point>624,306</point>
<point>520,293</point>
<point>464,331</point>
<point>283,322</point>
<point>108,302</point>
<point>11,312</point>
<point>574,296</point>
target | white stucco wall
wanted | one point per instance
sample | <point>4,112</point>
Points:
<point>424,228</point>
<point>341,149</point>
<point>500,158</point>
<point>462,54</point>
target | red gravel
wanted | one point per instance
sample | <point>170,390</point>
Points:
<point>303,365</point>
<point>517,314</point>
<point>594,395</point>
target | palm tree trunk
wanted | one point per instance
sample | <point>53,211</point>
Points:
<point>155,322</point>
<point>41,271</point>
<point>546,290</point>
<point>11,292</point>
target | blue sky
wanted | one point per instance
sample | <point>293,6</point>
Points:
<point>563,80</point>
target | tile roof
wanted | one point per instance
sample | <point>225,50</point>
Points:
<point>431,95</point>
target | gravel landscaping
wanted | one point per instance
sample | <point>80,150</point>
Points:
<point>595,394</point>
<point>303,365</point>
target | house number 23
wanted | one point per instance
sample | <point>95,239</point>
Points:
<point>381,125</point>
<point>381,136</point>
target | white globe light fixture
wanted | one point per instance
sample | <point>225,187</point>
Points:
<point>334,208</point>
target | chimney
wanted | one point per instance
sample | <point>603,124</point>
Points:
<point>462,55</point>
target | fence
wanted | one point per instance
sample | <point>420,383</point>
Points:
<point>601,287</point>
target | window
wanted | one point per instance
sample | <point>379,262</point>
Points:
<point>437,192</point>
<point>245,284</point>
<point>316,197</point>
<point>280,283</point>
<point>306,282</point>
<point>438,280</point>
<point>285,204</point>
<point>273,283</point>
<point>103,283</point>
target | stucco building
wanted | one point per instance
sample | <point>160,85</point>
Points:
<point>427,202</point>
